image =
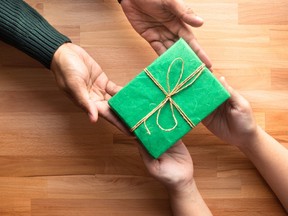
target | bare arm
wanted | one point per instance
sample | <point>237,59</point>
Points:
<point>271,160</point>
<point>234,123</point>
<point>174,169</point>
<point>188,202</point>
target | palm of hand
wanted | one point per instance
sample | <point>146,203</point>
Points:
<point>219,122</point>
<point>80,69</point>
<point>232,121</point>
<point>174,168</point>
<point>79,76</point>
<point>85,83</point>
<point>158,26</point>
<point>162,23</point>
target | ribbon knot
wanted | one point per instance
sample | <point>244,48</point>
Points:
<point>179,86</point>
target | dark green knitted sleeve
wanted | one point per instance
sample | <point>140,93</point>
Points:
<point>24,28</point>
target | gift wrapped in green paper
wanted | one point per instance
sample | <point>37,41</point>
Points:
<point>168,98</point>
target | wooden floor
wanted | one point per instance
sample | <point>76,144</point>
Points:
<point>54,162</point>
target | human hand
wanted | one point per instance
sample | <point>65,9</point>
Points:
<point>78,75</point>
<point>174,168</point>
<point>233,121</point>
<point>163,22</point>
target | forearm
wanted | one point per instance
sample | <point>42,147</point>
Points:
<point>271,159</point>
<point>24,28</point>
<point>188,202</point>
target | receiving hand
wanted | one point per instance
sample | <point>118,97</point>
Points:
<point>83,80</point>
<point>174,168</point>
<point>233,121</point>
<point>163,22</point>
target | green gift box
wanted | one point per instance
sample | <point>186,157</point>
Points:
<point>168,98</point>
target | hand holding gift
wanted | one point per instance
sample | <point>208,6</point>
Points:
<point>162,23</point>
<point>234,123</point>
<point>168,98</point>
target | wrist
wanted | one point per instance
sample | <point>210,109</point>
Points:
<point>183,191</point>
<point>56,60</point>
<point>188,201</point>
<point>248,135</point>
<point>251,141</point>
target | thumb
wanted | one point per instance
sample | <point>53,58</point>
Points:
<point>147,159</point>
<point>105,111</point>
<point>236,100</point>
<point>184,13</point>
<point>92,111</point>
<point>81,96</point>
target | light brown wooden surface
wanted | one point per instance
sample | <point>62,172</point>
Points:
<point>54,162</point>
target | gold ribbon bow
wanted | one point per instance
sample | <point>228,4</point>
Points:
<point>168,96</point>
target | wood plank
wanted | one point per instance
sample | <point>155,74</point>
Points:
<point>266,13</point>
<point>87,207</point>
<point>53,161</point>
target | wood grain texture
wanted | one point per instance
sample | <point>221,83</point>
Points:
<point>54,162</point>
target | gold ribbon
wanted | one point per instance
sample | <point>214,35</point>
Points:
<point>168,96</point>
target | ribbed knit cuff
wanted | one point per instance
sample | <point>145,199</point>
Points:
<point>24,28</point>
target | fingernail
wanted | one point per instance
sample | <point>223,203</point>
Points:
<point>92,117</point>
<point>199,18</point>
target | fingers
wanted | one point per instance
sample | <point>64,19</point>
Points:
<point>160,46</point>
<point>185,13</point>
<point>112,88</point>
<point>92,112</point>
<point>78,91</point>
<point>179,152</point>
<point>191,18</point>
<point>236,100</point>
<point>147,159</point>
<point>160,39</point>
<point>105,111</point>
<point>226,85</point>
<point>178,144</point>
<point>235,96</point>
<point>193,43</point>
